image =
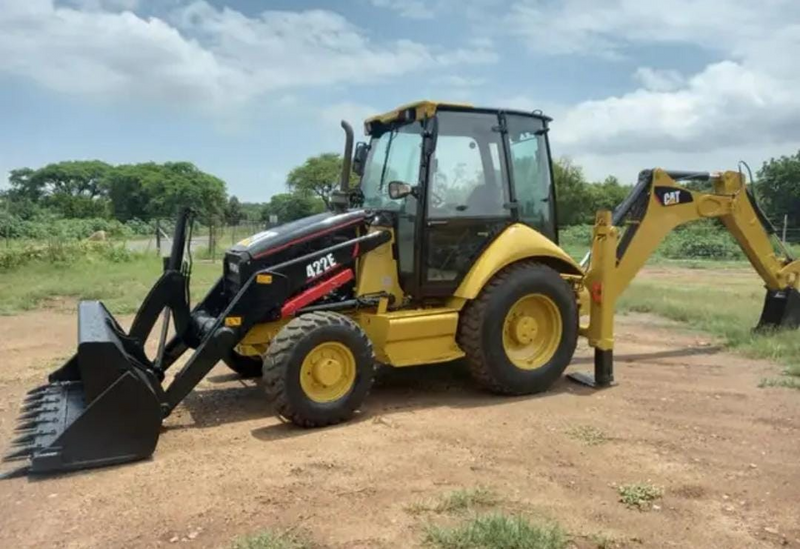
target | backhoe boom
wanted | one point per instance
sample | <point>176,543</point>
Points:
<point>622,243</point>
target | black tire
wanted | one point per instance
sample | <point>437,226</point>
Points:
<point>284,359</point>
<point>481,325</point>
<point>246,366</point>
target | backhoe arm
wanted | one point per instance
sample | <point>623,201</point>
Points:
<point>622,243</point>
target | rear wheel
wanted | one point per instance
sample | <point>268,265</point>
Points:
<point>319,369</point>
<point>520,333</point>
<point>245,366</point>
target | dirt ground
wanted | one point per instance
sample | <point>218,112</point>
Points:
<point>685,416</point>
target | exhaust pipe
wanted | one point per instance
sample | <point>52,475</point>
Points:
<point>339,197</point>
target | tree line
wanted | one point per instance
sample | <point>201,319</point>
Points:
<point>95,189</point>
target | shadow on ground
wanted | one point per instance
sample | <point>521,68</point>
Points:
<point>395,390</point>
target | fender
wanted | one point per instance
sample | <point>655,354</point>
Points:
<point>516,243</point>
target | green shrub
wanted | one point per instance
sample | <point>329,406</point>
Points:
<point>46,225</point>
<point>62,252</point>
<point>703,240</point>
<point>496,531</point>
<point>700,240</point>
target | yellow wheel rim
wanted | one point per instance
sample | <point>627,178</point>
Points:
<point>532,331</point>
<point>328,372</point>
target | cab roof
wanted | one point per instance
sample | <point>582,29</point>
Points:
<point>419,110</point>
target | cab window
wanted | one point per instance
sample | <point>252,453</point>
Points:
<point>531,169</point>
<point>467,176</point>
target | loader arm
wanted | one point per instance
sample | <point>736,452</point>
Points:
<point>622,243</point>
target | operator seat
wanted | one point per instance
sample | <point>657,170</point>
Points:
<point>485,200</point>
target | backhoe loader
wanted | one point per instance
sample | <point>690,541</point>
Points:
<point>447,249</point>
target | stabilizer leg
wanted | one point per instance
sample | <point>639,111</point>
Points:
<point>603,371</point>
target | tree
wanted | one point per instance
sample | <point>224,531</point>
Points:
<point>291,206</point>
<point>779,186</point>
<point>74,188</point>
<point>318,176</point>
<point>572,192</point>
<point>161,190</point>
<point>96,189</point>
<point>605,196</point>
<point>233,211</point>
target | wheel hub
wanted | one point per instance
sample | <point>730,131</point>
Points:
<point>532,331</point>
<point>524,330</point>
<point>328,372</point>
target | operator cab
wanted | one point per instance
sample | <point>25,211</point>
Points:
<point>453,177</point>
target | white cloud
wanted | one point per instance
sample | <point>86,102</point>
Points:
<point>112,5</point>
<point>659,80</point>
<point>202,55</point>
<point>411,9</point>
<point>610,27</point>
<point>743,102</point>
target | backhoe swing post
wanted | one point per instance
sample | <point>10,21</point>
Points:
<point>600,330</point>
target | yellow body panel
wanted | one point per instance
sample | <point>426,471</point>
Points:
<point>422,109</point>
<point>411,337</point>
<point>516,243</point>
<point>257,339</point>
<point>377,271</point>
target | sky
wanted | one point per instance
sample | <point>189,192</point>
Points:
<point>248,89</point>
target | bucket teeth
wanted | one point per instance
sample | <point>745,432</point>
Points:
<point>28,425</point>
<point>26,438</point>
<point>36,405</point>
<point>33,412</point>
<point>36,397</point>
<point>22,453</point>
<point>39,389</point>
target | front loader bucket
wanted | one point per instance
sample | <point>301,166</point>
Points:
<point>102,407</point>
<point>781,309</point>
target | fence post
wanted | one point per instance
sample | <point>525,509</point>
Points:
<point>158,236</point>
<point>785,222</point>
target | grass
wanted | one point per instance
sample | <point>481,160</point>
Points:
<point>587,434</point>
<point>787,382</point>
<point>457,501</point>
<point>496,531</point>
<point>640,495</point>
<point>725,306</point>
<point>122,286</point>
<point>272,540</point>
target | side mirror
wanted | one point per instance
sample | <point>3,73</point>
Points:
<point>398,190</point>
<point>360,157</point>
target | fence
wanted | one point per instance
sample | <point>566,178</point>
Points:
<point>208,242</point>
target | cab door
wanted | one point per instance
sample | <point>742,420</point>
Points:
<point>467,199</point>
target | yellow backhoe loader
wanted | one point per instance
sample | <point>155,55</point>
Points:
<point>447,249</point>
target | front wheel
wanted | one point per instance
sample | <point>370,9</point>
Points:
<point>246,366</point>
<point>520,333</point>
<point>319,369</point>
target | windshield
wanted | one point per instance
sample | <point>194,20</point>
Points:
<point>393,156</point>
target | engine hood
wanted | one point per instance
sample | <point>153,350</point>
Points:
<point>283,236</point>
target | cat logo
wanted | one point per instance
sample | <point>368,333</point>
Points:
<point>672,197</point>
